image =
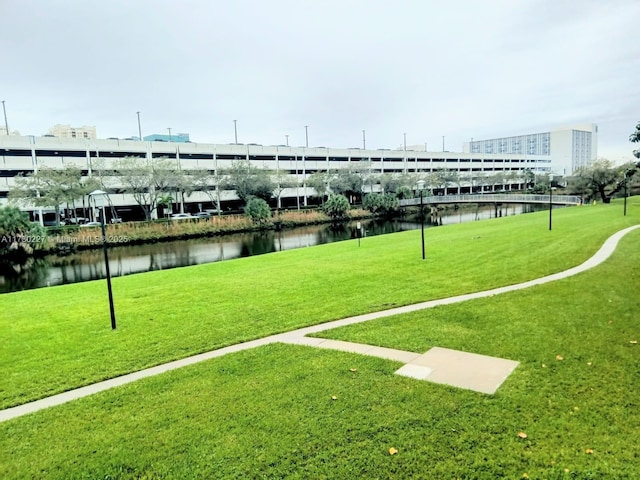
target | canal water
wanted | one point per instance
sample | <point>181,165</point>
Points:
<point>89,264</point>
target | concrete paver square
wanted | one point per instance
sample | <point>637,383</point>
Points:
<point>461,369</point>
<point>419,372</point>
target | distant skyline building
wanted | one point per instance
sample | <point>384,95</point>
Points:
<point>177,138</point>
<point>67,131</point>
<point>569,147</point>
<point>3,131</point>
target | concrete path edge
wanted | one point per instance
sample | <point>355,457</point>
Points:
<point>294,336</point>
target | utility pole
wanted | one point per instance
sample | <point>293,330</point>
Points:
<point>6,124</point>
<point>287,139</point>
<point>306,135</point>
<point>364,141</point>
<point>139,129</point>
<point>235,131</point>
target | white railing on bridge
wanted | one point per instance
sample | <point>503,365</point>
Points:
<point>494,198</point>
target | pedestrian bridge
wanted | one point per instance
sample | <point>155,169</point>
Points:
<point>494,198</point>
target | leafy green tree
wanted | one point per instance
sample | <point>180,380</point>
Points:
<point>248,181</point>
<point>346,182</point>
<point>258,210</point>
<point>147,180</point>
<point>49,187</point>
<point>337,207</point>
<point>208,183</point>
<point>281,181</point>
<point>528,177</point>
<point>389,182</point>
<point>320,182</point>
<point>404,192</point>
<point>441,178</point>
<point>601,178</point>
<point>635,138</point>
<point>16,232</point>
<point>383,204</point>
<point>166,201</point>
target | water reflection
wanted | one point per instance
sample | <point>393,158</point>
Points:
<point>89,265</point>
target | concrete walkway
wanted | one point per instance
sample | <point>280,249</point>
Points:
<point>298,337</point>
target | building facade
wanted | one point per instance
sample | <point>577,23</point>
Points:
<point>67,131</point>
<point>509,170</point>
<point>176,137</point>
<point>3,131</point>
<point>568,148</point>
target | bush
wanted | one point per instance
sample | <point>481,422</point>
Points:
<point>15,228</point>
<point>381,204</point>
<point>337,207</point>
<point>258,210</point>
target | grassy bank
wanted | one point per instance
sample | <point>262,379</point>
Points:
<point>269,412</point>
<point>166,230</point>
<point>59,338</point>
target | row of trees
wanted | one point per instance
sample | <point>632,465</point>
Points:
<point>603,179</point>
<point>160,182</point>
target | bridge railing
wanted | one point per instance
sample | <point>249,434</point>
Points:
<point>494,198</point>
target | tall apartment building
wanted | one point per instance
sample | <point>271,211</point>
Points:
<point>67,131</point>
<point>570,147</point>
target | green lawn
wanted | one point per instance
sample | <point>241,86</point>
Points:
<point>269,413</point>
<point>58,338</point>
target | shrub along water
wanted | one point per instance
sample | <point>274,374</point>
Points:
<point>167,230</point>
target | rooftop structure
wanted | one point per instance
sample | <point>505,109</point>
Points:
<point>67,131</point>
<point>175,138</point>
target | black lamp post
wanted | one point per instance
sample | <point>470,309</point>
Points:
<point>99,198</point>
<point>628,174</point>
<point>421,190</point>
<point>550,203</point>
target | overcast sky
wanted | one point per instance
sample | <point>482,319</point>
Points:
<point>426,68</point>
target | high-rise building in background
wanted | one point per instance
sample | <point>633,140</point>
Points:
<point>3,131</point>
<point>161,137</point>
<point>570,147</point>
<point>67,131</point>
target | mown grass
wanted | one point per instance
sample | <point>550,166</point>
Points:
<point>269,412</point>
<point>58,338</point>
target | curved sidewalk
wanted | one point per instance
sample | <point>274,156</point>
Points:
<point>298,336</point>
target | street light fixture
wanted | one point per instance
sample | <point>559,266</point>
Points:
<point>139,128</point>
<point>421,190</point>
<point>550,199</point>
<point>627,175</point>
<point>6,124</point>
<point>99,198</point>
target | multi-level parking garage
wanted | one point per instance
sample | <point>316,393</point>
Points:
<point>26,154</point>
